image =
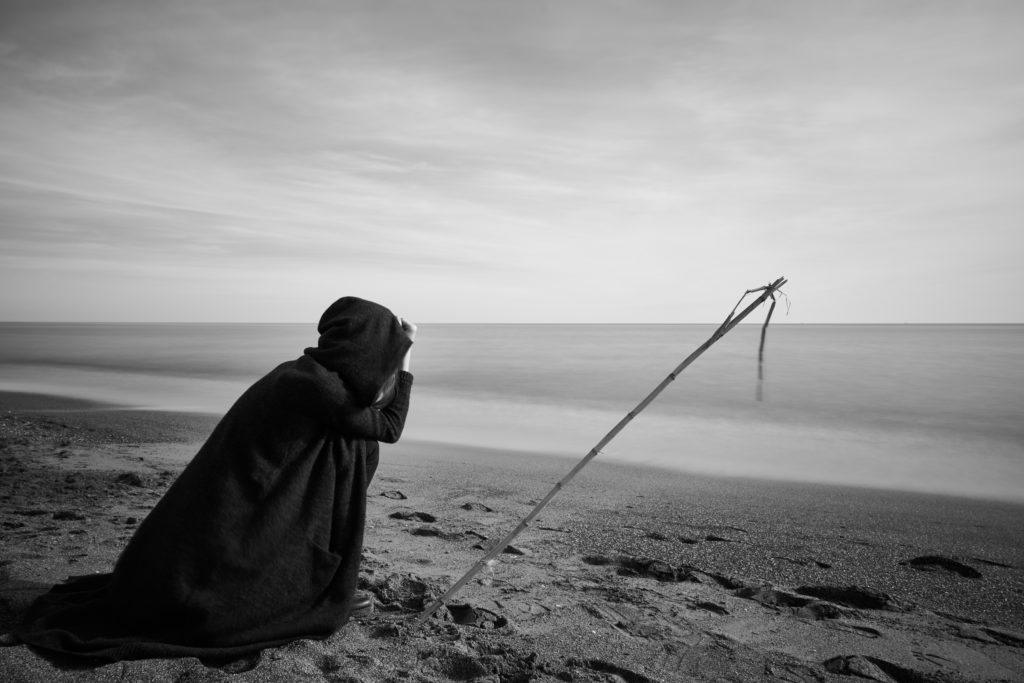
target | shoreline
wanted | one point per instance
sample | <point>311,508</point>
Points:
<point>147,425</point>
<point>639,573</point>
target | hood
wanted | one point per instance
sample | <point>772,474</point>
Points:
<point>363,343</point>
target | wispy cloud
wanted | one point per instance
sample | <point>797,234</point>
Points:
<point>550,157</point>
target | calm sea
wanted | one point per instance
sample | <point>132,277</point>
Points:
<point>916,407</point>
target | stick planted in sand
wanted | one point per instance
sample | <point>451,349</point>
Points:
<point>731,321</point>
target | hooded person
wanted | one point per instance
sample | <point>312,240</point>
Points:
<point>258,541</point>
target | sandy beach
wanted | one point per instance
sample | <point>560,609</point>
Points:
<point>630,574</point>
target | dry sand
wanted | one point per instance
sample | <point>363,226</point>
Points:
<point>629,575</point>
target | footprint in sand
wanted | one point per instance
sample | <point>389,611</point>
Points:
<point>603,667</point>
<point>929,563</point>
<point>659,570</point>
<point>1005,636</point>
<point>467,615</point>
<point>853,596</point>
<point>713,607</point>
<point>436,532</point>
<point>481,662</point>
<point>411,515</point>
<point>130,479</point>
<point>877,669</point>
<point>404,592</point>
<point>69,515</point>
<point>508,550</point>
<point>855,665</point>
<point>820,602</point>
<point>718,539</point>
<point>638,620</point>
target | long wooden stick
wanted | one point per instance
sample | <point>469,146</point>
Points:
<point>768,291</point>
<point>760,351</point>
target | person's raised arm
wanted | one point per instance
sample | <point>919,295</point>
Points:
<point>385,423</point>
<point>380,424</point>
<point>410,331</point>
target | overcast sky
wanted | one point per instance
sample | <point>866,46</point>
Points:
<point>517,161</point>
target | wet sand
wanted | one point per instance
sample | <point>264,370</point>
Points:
<point>629,575</point>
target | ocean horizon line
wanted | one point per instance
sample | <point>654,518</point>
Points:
<point>534,324</point>
<point>921,406</point>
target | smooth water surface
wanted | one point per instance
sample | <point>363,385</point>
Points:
<point>917,407</point>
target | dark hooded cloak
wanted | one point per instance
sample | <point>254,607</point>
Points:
<point>258,541</point>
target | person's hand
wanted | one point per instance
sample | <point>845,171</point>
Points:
<point>409,329</point>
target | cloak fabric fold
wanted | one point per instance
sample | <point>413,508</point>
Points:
<point>258,542</point>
